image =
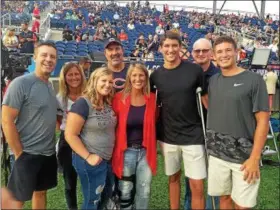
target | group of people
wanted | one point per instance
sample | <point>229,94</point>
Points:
<point>111,122</point>
<point>25,40</point>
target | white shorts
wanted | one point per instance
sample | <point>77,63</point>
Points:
<point>193,158</point>
<point>225,178</point>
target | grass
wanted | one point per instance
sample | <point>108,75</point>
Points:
<point>268,193</point>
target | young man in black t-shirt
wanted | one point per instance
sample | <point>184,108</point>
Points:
<point>182,134</point>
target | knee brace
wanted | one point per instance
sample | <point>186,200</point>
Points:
<point>128,202</point>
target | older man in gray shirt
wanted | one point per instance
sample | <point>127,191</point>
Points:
<point>29,119</point>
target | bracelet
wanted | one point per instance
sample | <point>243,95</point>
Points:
<point>88,156</point>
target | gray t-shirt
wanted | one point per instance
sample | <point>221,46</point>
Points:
<point>233,102</point>
<point>98,132</point>
<point>37,107</point>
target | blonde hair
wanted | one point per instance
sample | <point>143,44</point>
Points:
<point>63,87</point>
<point>91,92</point>
<point>8,37</point>
<point>128,86</point>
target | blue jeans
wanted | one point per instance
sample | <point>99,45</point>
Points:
<point>188,198</point>
<point>137,178</point>
<point>92,180</point>
<point>109,189</point>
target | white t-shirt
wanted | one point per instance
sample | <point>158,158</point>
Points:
<point>130,26</point>
<point>274,48</point>
<point>64,108</point>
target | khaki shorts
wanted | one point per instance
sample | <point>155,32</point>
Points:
<point>225,178</point>
<point>193,158</point>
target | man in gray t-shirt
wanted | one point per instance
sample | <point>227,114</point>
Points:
<point>29,119</point>
<point>237,127</point>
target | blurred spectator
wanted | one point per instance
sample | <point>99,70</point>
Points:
<point>80,15</point>
<point>159,30</point>
<point>85,64</point>
<point>122,36</point>
<point>241,53</point>
<point>142,19</point>
<point>176,24</point>
<point>74,16</point>
<point>91,14</point>
<point>77,32</point>
<point>10,40</point>
<point>116,16</point>
<point>114,33</point>
<point>149,21</point>
<point>141,43</point>
<point>147,4</point>
<point>130,25</point>
<point>26,39</point>
<point>150,39</point>
<point>250,46</point>
<point>168,26</point>
<point>85,36</point>
<point>148,55</point>
<point>99,34</point>
<point>185,40</point>
<point>270,79</point>
<point>274,45</point>
<point>26,10</point>
<point>67,35</point>
<point>36,10</point>
<point>135,55</point>
<point>68,16</point>
<point>36,24</point>
<point>154,45</point>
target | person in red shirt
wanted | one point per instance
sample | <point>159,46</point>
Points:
<point>134,157</point>
<point>122,36</point>
<point>36,24</point>
<point>36,10</point>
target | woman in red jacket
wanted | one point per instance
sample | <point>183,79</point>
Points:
<point>134,156</point>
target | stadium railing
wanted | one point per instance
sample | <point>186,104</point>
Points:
<point>45,29</point>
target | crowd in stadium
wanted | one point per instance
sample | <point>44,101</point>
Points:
<point>111,121</point>
<point>120,23</point>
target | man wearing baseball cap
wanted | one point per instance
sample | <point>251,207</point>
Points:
<point>114,52</point>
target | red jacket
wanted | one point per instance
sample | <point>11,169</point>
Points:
<point>149,132</point>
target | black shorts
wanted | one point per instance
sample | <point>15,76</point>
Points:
<point>32,173</point>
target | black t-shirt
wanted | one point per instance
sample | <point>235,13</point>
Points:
<point>135,120</point>
<point>180,120</point>
<point>119,79</point>
<point>27,46</point>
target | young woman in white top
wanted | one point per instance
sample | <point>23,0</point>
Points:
<point>72,82</point>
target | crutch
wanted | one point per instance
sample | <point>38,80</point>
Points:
<point>199,106</point>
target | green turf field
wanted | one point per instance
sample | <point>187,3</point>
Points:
<point>269,193</point>
<point>268,196</point>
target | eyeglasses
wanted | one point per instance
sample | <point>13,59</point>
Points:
<point>201,50</point>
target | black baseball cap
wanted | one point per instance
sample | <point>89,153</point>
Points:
<point>112,40</point>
